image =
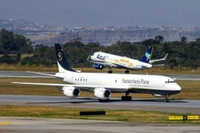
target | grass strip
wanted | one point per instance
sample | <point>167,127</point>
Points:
<point>111,115</point>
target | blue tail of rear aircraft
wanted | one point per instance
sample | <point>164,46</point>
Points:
<point>147,55</point>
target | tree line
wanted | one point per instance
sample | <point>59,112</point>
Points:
<point>13,46</point>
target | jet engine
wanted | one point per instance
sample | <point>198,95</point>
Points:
<point>102,93</point>
<point>98,66</point>
<point>71,92</point>
<point>158,95</point>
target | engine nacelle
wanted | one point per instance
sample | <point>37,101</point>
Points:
<point>102,93</point>
<point>98,66</point>
<point>158,95</point>
<point>71,92</point>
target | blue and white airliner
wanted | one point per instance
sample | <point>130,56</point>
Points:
<point>102,59</point>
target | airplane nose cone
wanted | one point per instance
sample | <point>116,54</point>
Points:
<point>178,88</point>
<point>92,57</point>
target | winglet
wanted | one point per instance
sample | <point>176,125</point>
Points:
<point>165,56</point>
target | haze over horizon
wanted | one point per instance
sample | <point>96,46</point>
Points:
<point>102,13</point>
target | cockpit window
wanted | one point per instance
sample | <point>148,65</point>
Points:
<point>170,81</point>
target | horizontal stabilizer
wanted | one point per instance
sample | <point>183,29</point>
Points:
<point>39,73</point>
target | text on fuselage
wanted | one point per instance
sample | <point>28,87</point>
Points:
<point>138,81</point>
<point>101,57</point>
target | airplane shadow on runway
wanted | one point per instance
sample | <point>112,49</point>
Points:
<point>161,100</point>
<point>94,100</point>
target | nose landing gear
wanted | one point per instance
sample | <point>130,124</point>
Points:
<point>166,98</point>
<point>110,71</point>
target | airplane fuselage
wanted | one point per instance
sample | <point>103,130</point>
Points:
<point>119,61</point>
<point>152,84</point>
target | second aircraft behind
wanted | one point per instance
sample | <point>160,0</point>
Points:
<point>102,59</point>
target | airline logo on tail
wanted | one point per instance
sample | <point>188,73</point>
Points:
<point>60,56</point>
<point>147,55</point>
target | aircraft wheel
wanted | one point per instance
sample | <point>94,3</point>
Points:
<point>126,98</point>
<point>123,98</point>
<point>110,71</point>
<point>166,98</point>
<point>127,71</point>
<point>129,98</point>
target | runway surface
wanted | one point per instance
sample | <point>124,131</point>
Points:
<point>23,74</point>
<point>150,104</point>
<point>47,125</point>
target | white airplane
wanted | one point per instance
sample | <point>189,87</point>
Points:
<point>103,84</point>
<point>102,59</point>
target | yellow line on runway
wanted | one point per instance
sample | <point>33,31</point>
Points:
<point>4,123</point>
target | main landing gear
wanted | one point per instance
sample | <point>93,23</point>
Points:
<point>126,98</point>
<point>127,71</point>
<point>110,71</point>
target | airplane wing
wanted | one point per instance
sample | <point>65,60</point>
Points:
<point>156,60</point>
<point>157,65</point>
<point>44,84</point>
<point>81,87</point>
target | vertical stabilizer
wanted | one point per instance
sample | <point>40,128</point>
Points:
<point>147,55</point>
<point>63,65</point>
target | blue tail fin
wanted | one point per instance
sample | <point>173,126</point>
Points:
<point>147,55</point>
<point>62,62</point>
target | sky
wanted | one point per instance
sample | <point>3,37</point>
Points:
<point>103,13</point>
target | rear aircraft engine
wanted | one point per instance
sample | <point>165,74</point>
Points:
<point>158,95</point>
<point>98,66</point>
<point>102,93</point>
<point>71,91</point>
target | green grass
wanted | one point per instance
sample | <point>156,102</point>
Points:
<point>73,113</point>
